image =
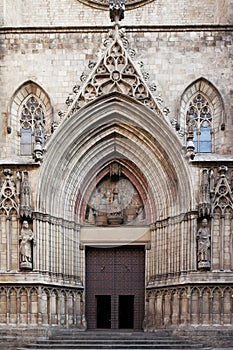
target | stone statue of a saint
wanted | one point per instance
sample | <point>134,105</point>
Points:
<point>203,241</point>
<point>26,239</point>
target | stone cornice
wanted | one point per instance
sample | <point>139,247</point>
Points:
<point>18,161</point>
<point>129,28</point>
<point>174,219</point>
<point>209,158</point>
<point>56,221</point>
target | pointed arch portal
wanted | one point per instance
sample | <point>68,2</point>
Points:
<point>114,149</point>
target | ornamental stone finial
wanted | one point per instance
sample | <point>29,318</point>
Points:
<point>116,10</point>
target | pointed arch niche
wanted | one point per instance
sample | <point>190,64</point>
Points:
<point>30,106</point>
<point>202,102</point>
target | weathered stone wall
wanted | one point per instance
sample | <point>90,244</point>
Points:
<point>34,306</point>
<point>73,12</point>
<point>194,306</point>
<point>174,60</point>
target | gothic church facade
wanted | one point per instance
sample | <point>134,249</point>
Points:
<point>116,203</point>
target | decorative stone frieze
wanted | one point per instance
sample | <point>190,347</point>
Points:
<point>194,305</point>
<point>50,305</point>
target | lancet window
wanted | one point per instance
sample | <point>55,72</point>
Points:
<point>32,124</point>
<point>199,117</point>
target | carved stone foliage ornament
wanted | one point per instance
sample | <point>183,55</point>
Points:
<point>104,4</point>
<point>115,201</point>
<point>9,198</point>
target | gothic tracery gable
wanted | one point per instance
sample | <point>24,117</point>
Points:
<point>115,72</point>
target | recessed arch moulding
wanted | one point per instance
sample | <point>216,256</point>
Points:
<point>114,129</point>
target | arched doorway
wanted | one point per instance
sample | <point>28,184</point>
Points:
<point>114,235</point>
<point>79,160</point>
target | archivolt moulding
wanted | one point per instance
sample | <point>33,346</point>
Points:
<point>113,126</point>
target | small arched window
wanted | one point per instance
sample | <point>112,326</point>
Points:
<point>200,116</point>
<point>30,119</point>
<point>32,124</point>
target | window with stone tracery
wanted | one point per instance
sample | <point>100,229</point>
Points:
<point>199,116</point>
<point>32,124</point>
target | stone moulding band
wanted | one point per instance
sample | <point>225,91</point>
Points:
<point>128,28</point>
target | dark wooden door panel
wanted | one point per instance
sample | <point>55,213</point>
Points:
<point>115,272</point>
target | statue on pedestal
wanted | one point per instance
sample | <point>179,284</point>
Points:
<point>26,239</point>
<point>203,244</point>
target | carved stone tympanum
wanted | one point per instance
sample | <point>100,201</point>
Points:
<point>115,201</point>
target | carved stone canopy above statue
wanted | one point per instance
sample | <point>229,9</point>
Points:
<point>115,201</point>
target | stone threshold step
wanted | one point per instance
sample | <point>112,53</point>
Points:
<point>112,346</point>
<point>157,348</point>
<point>133,346</point>
<point>117,341</point>
<point>114,334</point>
<point>108,339</point>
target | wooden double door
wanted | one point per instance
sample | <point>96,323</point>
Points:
<point>115,287</point>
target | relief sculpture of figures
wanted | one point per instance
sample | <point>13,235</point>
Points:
<point>26,239</point>
<point>203,241</point>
